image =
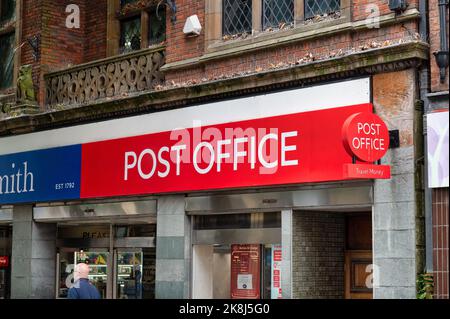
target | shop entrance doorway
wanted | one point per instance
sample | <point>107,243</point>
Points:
<point>359,270</point>
<point>121,259</point>
<point>237,256</point>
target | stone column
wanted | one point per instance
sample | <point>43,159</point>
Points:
<point>286,247</point>
<point>173,249</point>
<point>33,257</point>
<point>394,229</point>
<point>397,244</point>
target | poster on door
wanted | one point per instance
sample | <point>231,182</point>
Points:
<point>276,292</point>
<point>245,271</point>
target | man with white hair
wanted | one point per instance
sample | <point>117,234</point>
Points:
<point>82,288</point>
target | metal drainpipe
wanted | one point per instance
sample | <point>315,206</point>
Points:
<point>424,87</point>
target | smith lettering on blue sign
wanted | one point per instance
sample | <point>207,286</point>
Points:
<point>39,176</point>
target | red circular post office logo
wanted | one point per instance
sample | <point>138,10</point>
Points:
<point>366,136</point>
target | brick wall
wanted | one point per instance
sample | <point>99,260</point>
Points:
<point>361,8</point>
<point>269,58</point>
<point>434,23</point>
<point>96,22</point>
<point>318,255</point>
<point>62,47</point>
<point>441,243</point>
<point>180,47</point>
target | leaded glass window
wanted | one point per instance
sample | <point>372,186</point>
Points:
<point>157,26</point>
<point>123,3</point>
<point>237,17</point>
<point>277,13</point>
<point>6,60</point>
<point>130,34</point>
<point>319,7</point>
<point>7,11</point>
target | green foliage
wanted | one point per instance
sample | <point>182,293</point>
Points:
<point>425,286</point>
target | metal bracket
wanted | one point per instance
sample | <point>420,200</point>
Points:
<point>394,139</point>
<point>173,7</point>
<point>35,42</point>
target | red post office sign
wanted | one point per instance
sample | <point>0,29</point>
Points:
<point>4,261</point>
<point>366,136</point>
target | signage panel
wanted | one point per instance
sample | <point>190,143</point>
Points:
<point>245,271</point>
<point>438,149</point>
<point>39,176</point>
<point>281,138</point>
<point>289,149</point>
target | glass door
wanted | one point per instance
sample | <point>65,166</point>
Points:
<point>99,264</point>
<point>129,272</point>
<point>98,268</point>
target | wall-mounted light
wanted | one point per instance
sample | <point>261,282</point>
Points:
<point>442,62</point>
<point>442,55</point>
<point>192,27</point>
<point>398,6</point>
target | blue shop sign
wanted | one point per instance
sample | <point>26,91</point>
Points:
<point>40,176</point>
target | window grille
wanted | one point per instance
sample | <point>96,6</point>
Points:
<point>319,7</point>
<point>277,12</point>
<point>130,35</point>
<point>123,3</point>
<point>237,16</point>
<point>6,60</point>
<point>7,11</point>
<point>157,26</point>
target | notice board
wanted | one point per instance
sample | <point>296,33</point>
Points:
<point>245,271</point>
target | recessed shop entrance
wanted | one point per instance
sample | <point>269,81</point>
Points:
<point>332,255</point>
<point>117,240</point>
<point>237,256</point>
<point>121,259</point>
<point>359,266</point>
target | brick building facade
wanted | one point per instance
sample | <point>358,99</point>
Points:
<point>131,59</point>
<point>438,101</point>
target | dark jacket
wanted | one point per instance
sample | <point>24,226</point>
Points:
<point>83,289</point>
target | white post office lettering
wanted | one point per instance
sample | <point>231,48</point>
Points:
<point>208,156</point>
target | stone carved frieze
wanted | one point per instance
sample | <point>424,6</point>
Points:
<point>114,78</point>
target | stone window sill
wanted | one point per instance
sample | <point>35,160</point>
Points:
<point>263,38</point>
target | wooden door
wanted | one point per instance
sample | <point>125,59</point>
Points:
<point>358,257</point>
<point>358,272</point>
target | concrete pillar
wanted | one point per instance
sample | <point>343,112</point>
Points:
<point>33,257</point>
<point>203,270</point>
<point>286,247</point>
<point>173,249</point>
<point>394,229</point>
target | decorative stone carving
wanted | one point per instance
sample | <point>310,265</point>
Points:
<point>25,89</point>
<point>25,103</point>
<point>110,78</point>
